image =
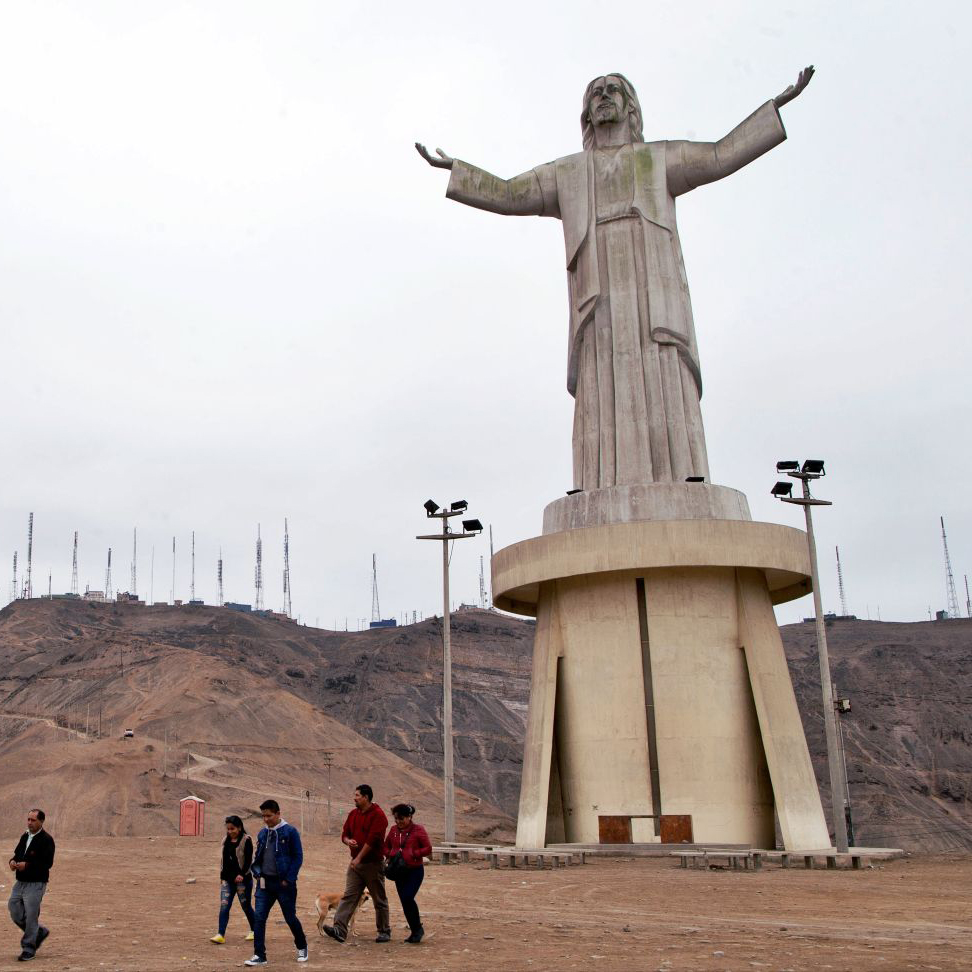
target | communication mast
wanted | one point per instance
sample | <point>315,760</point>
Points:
<point>286,571</point>
<point>173,571</point>
<point>968,602</point>
<point>375,607</point>
<point>258,574</point>
<point>192,574</point>
<point>482,586</point>
<point>134,561</point>
<point>219,578</point>
<point>952,607</point>
<point>108,578</point>
<point>74,566</point>
<point>28,588</point>
<point>13,590</point>
<point>840,586</point>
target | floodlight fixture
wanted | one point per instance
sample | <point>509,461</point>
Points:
<point>431,507</point>
<point>472,526</point>
<point>458,506</point>
<point>695,479</point>
<point>815,467</point>
<point>788,465</point>
<point>781,490</point>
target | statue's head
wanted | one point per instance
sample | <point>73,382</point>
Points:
<point>608,100</point>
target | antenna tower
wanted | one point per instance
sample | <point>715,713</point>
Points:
<point>74,566</point>
<point>28,588</point>
<point>108,578</point>
<point>258,574</point>
<point>840,586</point>
<point>219,578</point>
<point>482,585</point>
<point>286,572</point>
<point>375,607</point>
<point>952,607</point>
<point>173,570</point>
<point>134,561</point>
<point>968,601</point>
<point>192,575</point>
<point>13,589</point>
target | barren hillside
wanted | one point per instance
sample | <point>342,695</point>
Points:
<point>230,692</point>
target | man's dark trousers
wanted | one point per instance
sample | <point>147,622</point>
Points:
<point>269,890</point>
<point>24,907</point>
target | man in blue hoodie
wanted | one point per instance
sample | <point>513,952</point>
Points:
<point>276,864</point>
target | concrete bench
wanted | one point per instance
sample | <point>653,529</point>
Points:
<point>448,853</point>
<point>736,859</point>
<point>858,856</point>
<point>514,855</point>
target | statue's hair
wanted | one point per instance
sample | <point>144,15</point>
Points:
<point>631,104</point>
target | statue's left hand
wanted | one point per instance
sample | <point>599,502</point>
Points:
<point>794,89</point>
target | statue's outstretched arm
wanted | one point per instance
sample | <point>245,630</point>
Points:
<point>523,195</point>
<point>443,162</point>
<point>691,164</point>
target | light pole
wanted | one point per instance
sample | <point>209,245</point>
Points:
<point>470,528</point>
<point>814,469</point>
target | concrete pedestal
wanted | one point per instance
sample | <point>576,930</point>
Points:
<point>659,682</point>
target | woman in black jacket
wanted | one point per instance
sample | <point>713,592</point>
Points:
<point>235,877</point>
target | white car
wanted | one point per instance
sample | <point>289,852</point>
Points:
<point>129,734</point>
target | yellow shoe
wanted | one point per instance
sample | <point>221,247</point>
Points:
<point>249,938</point>
<point>218,940</point>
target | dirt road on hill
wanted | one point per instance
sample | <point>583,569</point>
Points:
<point>123,905</point>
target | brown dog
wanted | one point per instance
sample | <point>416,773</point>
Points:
<point>327,901</point>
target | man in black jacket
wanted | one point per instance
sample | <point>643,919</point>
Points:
<point>31,863</point>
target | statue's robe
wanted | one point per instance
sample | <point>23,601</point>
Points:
<point>633,363</point>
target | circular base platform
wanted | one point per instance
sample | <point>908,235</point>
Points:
<point>781,552</point>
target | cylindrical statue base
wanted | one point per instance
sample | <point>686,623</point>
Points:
<point>660,700</point>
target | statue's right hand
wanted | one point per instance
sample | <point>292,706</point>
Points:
<point>443,162</point>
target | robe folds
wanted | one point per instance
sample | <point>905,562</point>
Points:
<point>632,363</point>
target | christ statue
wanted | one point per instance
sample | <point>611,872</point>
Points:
<point>632,361</point>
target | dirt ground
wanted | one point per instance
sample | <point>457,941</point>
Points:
<point>124,904</point>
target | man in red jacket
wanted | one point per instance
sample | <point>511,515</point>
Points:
<point>364,836</point>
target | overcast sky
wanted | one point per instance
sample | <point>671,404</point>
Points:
<point>231,292</point>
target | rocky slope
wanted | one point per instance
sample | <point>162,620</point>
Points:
<point>234,700</point>
<point>908,737</point>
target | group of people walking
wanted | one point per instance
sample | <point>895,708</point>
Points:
<point>273,865</point>
<point>270,868</point>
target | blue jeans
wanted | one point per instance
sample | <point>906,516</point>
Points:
<point>286,897</point>
<point>407,887</point>
<point>226,892</point>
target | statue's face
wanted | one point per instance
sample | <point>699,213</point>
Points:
<point>607,104</point>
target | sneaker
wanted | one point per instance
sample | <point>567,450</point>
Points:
<point>331,933</point>
<point>256,960</point>
<point>383,937</point>
<point>25,956</point>
<point>249,938</point>
<point>41,937</point>
<point>218,940</point>
<point>301,954</point>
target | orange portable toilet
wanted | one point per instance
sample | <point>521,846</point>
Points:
<point>192,817</point>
